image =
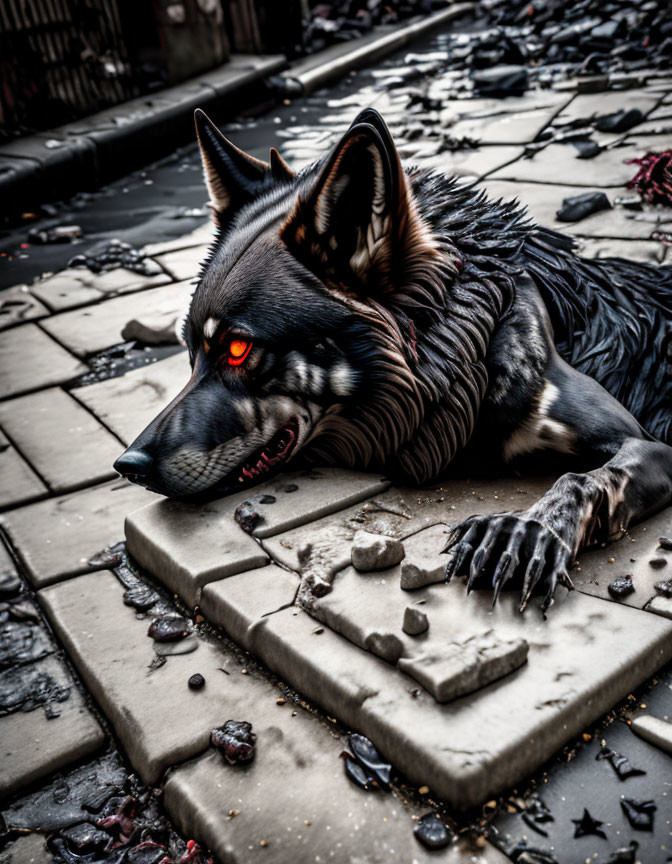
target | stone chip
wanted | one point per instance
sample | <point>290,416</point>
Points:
<point>375,551</point>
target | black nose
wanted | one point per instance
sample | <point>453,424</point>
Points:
<point>134,464</point>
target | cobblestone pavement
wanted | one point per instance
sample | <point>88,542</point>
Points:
<point>80,376</point>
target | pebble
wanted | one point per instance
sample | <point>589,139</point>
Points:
<point>665,542</point>
<point>369,758</point>
<point>621,587</point>
<point>415,621</point>
<point>579,207</point>
<point>236,740</point>
<point>169,628</point>
<point>658,563</point>
<point>196,682</point>
<point>431,832</point>
<point>375,551</point>
<point>664,588</point>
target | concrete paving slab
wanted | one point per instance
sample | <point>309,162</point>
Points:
<point>294,803</point>
<point>583,659</point>
<point>202,235</point>
<point>65,444</point>
<point>507,127</point>
<point>401,511</point>
<point>76,287</point>
<point>34,746</point>
<point>468,163</point>
<point>647,251</point>
<point>189,545</point>
<point>127,404</point>
<point>20,483</point>
<point>307,495</point>
<point>238,603</point>
<point>159,720</point>
<point>629,556</point>
<point>55,538</point>
<point>588,105</point>
<point>559,163</point>
<point>543,200</point>
<point>184,263</point>
<point>18,305</point>
<point>49,363</point>
<point>94,328</point>
<point>660,606</point>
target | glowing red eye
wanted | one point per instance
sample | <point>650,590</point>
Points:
<point>238,351</point>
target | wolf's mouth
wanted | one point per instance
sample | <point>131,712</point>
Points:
<point>272,454</point>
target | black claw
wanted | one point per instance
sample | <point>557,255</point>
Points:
<point>501,576</point>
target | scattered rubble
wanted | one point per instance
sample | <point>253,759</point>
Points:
<point>621,587</point>
<point>580,206</point>
<point>169,628</point>
<point>375,551</point>
<point>369,758</point>
<point>415,621</point>
<point>116,253</point>
<point>587,825</point>
<point>621,764</point>
<point>236,740</point>
<point>664,588</point>
<point>639,813</point>
<point>418,572</point>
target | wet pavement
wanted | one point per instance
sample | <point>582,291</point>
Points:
<point>79,367</point>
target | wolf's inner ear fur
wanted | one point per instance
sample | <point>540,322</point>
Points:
<point>358,226</point>
<point>233,178</point>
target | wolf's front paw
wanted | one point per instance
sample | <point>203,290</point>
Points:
<point>498,548</point>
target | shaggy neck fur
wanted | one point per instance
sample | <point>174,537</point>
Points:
<point>427,373</point>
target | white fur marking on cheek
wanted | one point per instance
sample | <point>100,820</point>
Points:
<point>210,328</point>
<point>341,379</point>
<point>548,396</point>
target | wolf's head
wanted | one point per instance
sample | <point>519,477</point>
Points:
<point>302,330</point>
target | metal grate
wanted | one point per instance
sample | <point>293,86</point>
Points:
<point>60,59</point>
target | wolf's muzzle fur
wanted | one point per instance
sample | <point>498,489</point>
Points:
<point>362,315</point>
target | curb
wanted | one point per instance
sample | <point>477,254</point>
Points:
<point>335,62</point>
<point>90,152</point>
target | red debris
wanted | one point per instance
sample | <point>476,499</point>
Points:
<point>653,181</point>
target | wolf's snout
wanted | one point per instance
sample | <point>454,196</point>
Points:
<point>134,463</point>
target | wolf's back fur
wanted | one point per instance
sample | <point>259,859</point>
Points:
<point>612,318</point>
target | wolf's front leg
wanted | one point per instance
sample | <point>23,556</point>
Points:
<point>539,545</point>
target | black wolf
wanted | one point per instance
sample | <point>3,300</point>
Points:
<point>362,315</point>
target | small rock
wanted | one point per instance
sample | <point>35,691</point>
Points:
<point>10,584</point>
<point>500,80</point>
<point>169,628</point>
<point>665,588</point>
<point>370,759</point>
<point>619,121</point>
<point>375,551</point>
<point>665,542</point>
<point>85,837</point>
<point>386,645</point>
<point>586,149</point>
<point>579,207</point>
<point>658,563</point>
<point>236,740</point>
<point>156,330</point>
<point>357,773</point>
<point>415,621</point>
<point>247,516</point>
<point>417,574</point>
<point>625,854</point>
<point>431,832</point>
<point>621,587</point>
<point>196,682</point>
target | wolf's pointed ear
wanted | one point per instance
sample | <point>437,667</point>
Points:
<point>233,178</point>
<point>358,227</point>
<point>279,168</point>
